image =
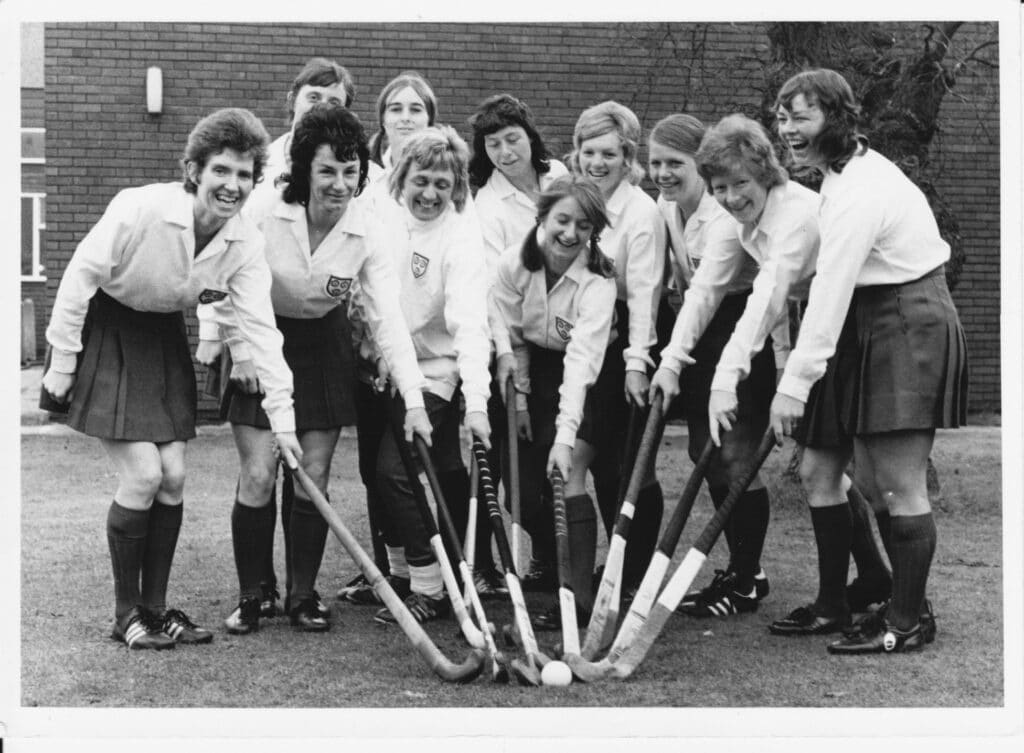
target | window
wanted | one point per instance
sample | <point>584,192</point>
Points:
<point>33,203</point>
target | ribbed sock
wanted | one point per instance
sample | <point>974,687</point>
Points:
<point>643,534</point>
<point>126,537</point>
<point>913,544</point>
<point>161,541</point>
<point>249,526</point>
<point>579,514</point>
<point>308,531</point>
<point>832,528</point>
<point>426,580</point>
<point>749,522</point>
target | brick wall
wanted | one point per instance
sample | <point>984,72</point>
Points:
<point>100,138</point>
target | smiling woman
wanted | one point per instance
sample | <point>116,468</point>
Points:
<point>120,352</point>
<point>319,245</point>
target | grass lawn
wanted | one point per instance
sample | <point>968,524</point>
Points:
<point>68,659</point>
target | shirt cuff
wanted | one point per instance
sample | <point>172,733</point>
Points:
<point>476,403</point>
<point>794,387</point>
<point>413,399</point>
<point>724,382</point>
<point>565,435</point>
<point>676,364</point>
<point>63,361</point>
<point>282,420</point>
<point>636,364</point>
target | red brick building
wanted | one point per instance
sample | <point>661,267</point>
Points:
<point>99,137</point>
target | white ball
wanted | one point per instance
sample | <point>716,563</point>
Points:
<point>556,674</point>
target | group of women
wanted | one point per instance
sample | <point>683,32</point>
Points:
<point>364,281</point>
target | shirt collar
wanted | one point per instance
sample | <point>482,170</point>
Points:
<point>352,222</point>
<point>181,211</point>
<point>616,203</point>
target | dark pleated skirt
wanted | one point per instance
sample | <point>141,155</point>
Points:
<point>320,355</point>
<point>135,380</point>
<point>754,394</point>
<point>901,364</point>
<point>546,369</point>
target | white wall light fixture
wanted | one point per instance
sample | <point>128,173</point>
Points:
<point>154,90</point>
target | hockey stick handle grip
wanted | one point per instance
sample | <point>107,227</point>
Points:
<point>674,529</point>
<point>707,538</point>
<point>561,529</point>
<point>493,507</point>
<point>648,446</point>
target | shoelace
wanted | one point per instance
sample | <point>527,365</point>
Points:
<point>176,615</point>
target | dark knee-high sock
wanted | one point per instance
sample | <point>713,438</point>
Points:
<point>455,487</point>
<point>249,537</point>
<point>866,556</point>
<point>884,522</point>
<point>606,489</point>
<point>287,502</point>
<point>718,495</point>
<point>913,545</point>
<point>579,514</point>
<point>161,541</point>
<point>832,528</point>
<point>749,527</point>
<point>308,531</point>
<point>643,534</point>
<point>374,514</point>
<point>126,537</point>
<point>267,574</point>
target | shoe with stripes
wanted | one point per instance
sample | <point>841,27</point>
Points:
<point>692,598</point>
<point>423,608</point>
<point>180,627</point>
<point>722,601</point>
<point>140,629</point>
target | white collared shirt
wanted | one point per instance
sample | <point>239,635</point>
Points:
<point>784,243</point>
<point>307,285</point>
<point>636,243</point>
<point>575,316</point>
<point>142,253</point>
<point>876,229</point>
<point>443,281</point>
<point>507,214</point>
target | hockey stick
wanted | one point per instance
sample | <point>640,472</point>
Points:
<point>513,464</point>
<point>603,619</point>
<point>499,668</point>
<point>527,673</point>
<point>469,547</point>
<point>473,635</point>
<point>442,666</point>
<point>655,574</point>
<point>566,596</point>
<point>684,575</point>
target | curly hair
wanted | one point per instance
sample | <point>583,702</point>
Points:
<point>492,115</point>
<point>230,128</point>
<point>321,72</point>
<point>436,148</point>
<point>419,85</point>
<point>738,140</point>
<point>610,117</point>
<point>591,202</point>
<point>839,139</point>
<point>330,124</point>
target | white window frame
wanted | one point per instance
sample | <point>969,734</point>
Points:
<point>37,216</point>
<point>37,225</point>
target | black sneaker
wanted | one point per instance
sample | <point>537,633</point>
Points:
<point>268,601</point>
<point>322,609</point>
<point>761,584</point>
<point>692,598</point>
<point>552,619</point>
<point>365,596</point>
<point>884,639</point>
<point>178,625</point>
<point>357,582</point>
<point>306,617</point>
<point>723,601</point>
<point>874,621</point>
<point>805,621</point>
<point>246,617</point>
<point>489,584</point>
<point>423,608</point>
<point>140,629</point>
<point>862,595</point>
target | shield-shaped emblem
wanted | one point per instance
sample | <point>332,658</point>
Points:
<point>338,286</point>
<point>419,265</point>
<point>211,296</point>
<point>563,327</point>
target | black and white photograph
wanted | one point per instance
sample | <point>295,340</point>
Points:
<point>479,378</point>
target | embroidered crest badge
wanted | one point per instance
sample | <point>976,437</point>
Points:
<point>338,286</point>
<point>419,265</point>
<point>563,327</point>
<point>212,296</point>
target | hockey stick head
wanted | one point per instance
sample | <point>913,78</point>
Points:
<point>587,671</point>
<point>525,672</point>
